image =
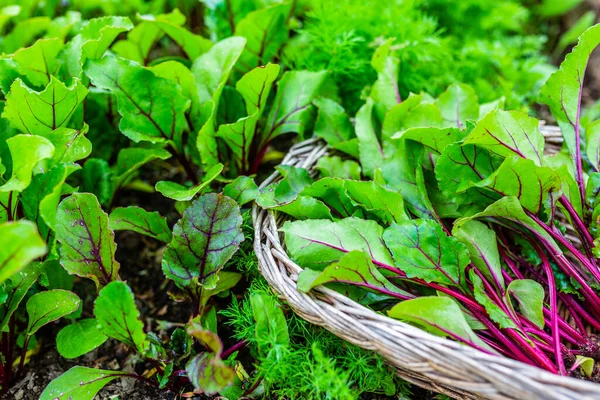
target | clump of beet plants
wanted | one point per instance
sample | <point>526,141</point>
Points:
<point>455,220</point>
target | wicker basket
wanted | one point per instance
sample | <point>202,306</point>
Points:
<point>428,361</point>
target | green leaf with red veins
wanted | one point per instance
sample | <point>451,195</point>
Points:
<point>81,383</point>
<point>118,316</point>
<point>458,104</point>
<point>153,109</point>
<point>254,87</point>
<point>87,243</point>
<point>354,268</point>
<point>422,250</point>
<point>563,90</point>
<point>39,61</point>
<point>203,241</point>
<point>138,220</point>
<point>483,249</point>
<point>292,109</point>
<point>266,32</point>
<point>526,181</point>
<point>316,244</point>
<point>21,244</point>
<point>441,316</point>
<point>509,133</point>
<point>39,113</point>
<point>459,166</point>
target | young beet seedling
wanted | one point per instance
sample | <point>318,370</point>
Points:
<point>203,240</point>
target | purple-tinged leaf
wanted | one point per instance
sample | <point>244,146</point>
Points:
<point>203,241</point>
<point>209,373</point>
<point>422,250</point>
<point>87,243</point>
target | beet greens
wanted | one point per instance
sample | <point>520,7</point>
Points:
<point>480,235</point>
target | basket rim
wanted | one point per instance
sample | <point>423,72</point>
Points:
<point>419,357</point>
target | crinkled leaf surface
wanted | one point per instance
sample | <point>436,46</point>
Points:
<point>152,108</point>
<point>93,40</point>
<point>79,338</point>
<point>42,112</point>
<point>118,316</point>
<point>315,244</point>
<point>203,241</point>
<point>422,250</point>
<point>81,383</point>
<point>137,219</point>
<point>21,244</point>
<point>87,243</point>
<point>48,306</point>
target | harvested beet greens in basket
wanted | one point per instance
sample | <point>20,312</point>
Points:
<point>461,224</point>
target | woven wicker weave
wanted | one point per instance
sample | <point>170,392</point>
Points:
<point>428,361</point>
